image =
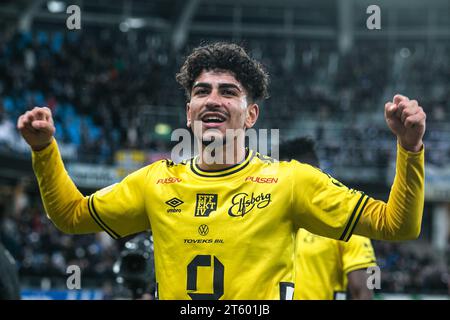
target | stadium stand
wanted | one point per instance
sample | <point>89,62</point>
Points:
<point>109,89</point>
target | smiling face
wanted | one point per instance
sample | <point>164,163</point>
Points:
<point>219,102</point>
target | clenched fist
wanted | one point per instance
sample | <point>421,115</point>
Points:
<point>37,128</point>
<point>406,119</point>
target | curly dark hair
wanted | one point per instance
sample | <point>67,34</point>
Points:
<point>227,57</point>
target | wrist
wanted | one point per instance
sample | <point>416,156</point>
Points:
<point>411,147</point>
<point>41,147</point>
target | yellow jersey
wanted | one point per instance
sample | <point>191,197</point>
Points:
<point>322,265</point>
<point>225,234</point>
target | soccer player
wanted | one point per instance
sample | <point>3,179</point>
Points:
<point>327,269</point>
<point>225,230</point>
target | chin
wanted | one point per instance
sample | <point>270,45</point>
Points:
<point>211,137</point>
<point>213,134</point>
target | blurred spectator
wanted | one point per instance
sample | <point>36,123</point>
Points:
<point>100,95</point>
<point>107,90</point>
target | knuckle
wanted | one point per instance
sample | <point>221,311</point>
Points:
<point>401,97</point>
<point>409,112</point>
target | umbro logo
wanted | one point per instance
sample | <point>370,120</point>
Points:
<point>174,202</point>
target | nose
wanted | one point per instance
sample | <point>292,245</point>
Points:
<point>213,100</point>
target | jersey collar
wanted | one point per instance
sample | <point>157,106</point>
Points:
<point>249,154</point>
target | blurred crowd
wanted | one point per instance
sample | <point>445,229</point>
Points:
<point>93,83</point>
<point>412,269</point>
<point>42,252</point>
<point>99,85</point>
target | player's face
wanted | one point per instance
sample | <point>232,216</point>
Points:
<point>219,102</point>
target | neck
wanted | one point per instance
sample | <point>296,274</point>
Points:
<point>219,158</point>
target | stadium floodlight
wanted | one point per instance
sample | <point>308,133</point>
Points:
<point>162,129</point>
<point>131,23</point>
<point>56,6</point>
<point>405,53</point>
<point>135,23</point>
<point>124,27</point>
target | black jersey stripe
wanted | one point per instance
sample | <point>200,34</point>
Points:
<point>349,223</point>
<point>220,171</point>
<point>357,218</point>
<point>98,220</point>
<point>224,172</point>
<point>218,175</point>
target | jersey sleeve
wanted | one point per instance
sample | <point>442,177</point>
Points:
<point>120,208</point>
<point>323,205</point>
<point>357,254</point>
<point>401,217</point>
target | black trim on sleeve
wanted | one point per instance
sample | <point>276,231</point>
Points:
<point>349,223</point>
<point>357,218</point>
<point>98,220</point>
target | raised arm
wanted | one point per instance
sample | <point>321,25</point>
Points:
<point>326,207</point>
<point>64,204</point>
<point>119,209</point>
<point>401,217</point>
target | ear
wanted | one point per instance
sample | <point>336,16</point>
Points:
<point>188,115</point>
<point>251,115</point>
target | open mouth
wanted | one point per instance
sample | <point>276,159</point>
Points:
<point>213,118</point>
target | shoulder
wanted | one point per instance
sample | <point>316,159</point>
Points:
<point>322,242</point>
<point>263,158</point>
<point>293,169</point>
<point>157,167</point>
<point>303,171</point>
<point>259,158</point>
<point>357,240</point>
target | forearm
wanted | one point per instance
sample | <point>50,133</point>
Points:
<point>401,217</point>
<point>64,204</point>
<point>357,285</point>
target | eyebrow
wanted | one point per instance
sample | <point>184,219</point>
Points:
<point>221,85</point>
